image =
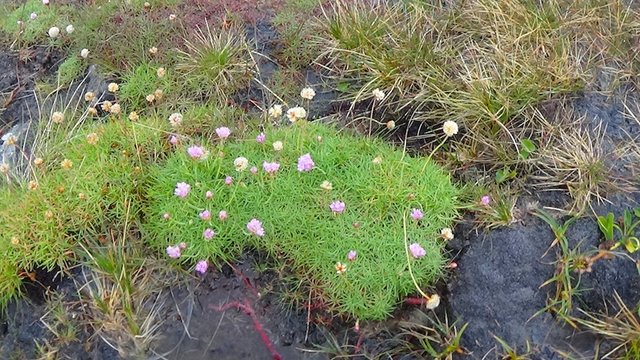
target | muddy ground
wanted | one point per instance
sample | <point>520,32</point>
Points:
<point>495,288</point>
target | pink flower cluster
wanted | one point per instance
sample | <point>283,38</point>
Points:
<point>270,167</point>
<point>337,207</point>
<point>182,190</point>
<point>196,152</point>
<point>417,251</point>
<point>255,227</point>
<point>223,132</point>
<point>305,163</point>
<point>175,251</point>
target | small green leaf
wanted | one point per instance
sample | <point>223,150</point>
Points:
<point>527,148</point>
<point>632,244</point>
<point>505,174</point>
<point>343,87</point>
<point>606,225</point>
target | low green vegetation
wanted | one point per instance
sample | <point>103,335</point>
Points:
<point>295,212</point>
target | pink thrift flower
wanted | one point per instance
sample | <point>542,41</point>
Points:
<point>270,168</point>
<point>202,266</point>
<point>222,215</point>
<point>485,200</point>
<point>196,152</point>
<point>254,170</point>
<point>261,138</point>
<point>223,132</point>
<point>45,2</point>
<point>208,234</point>
<point>416,214</point>
<point>166,216</point>
<point>208,195</point>
<point>228,180</point>
<point>417,251</point>
<point>305,163</point>
<point>352,255</point>
<point>337,207</point>
<point>255,227</point>
<point>183,245</point>
<point>174,252</point>
<point>205,215</point>
<point>173,140</point>
<point>182,189</point>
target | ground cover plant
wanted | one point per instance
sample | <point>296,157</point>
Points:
<point>332,205</point>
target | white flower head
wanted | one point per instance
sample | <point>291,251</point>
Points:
<point>277,146</point>
<point>241,163</point>
<point>275,111</point>
<point>450,128</point>
<point>307,93</point>
<point>391,124</point>
<point>378,94</point>
<point>54,32</point>
<point>70,29</point>
<point>33,16</point>
<point>161,72</point>
<point>113,87</point>
<point>296,113</point>
<point>172,17</point>
<point>175,119</point>
<point>9,139</point>
<point>84,53</point>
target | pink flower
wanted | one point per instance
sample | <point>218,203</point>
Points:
<point>337,207</point>
<point>174,252</point>
<point>196,152</point>
<point>45,2</point>
<point>209,195</point>
<point>261,138</point>
<point>166,216</point>
<point>182,189</point>
<point>202,266</point>
<point>205,215</point>
<point>352,255</point>
<point>254,170</point>
<point>173,140</point>
<point>417,251</point>
<point>485,200</point>
<point>255,227</point>
<point>183,245</point>
<point>416,214</point>
<point>270,168</point>
<point>208,234</point>
<point>222,215</point>
<point>228,180</point>
<point>305,163</point>
<point>223,132</point>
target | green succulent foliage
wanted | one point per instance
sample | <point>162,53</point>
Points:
<point>295,213</point>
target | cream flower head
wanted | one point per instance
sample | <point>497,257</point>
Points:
<point>106,106</point>
<point>433,301</point>
<point>296,113</point>
<point>450,128</point>
<point>4,168</point>
<point>153,50</point>
<point>378,94</point>
<point>277,146</point>
<point>175,120</point>
<point>89,96</point>
<point>54,32</point>
<point>161,72</point>
<point>307,93</point>
<point>70,29</point>
<point>133,116</point>
<point>84,53</point>
<point>57,117</point>
<point>115,109</point>
<point>326,185</point>
<point>446,234</point>
<point>391,124</point>
<point>241,163</point>
<point>275,111</point>
<point>113,87</point>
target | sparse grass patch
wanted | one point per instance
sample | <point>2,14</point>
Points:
<point>295,212</point>
<point>214,64</point>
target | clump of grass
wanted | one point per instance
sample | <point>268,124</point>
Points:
<point>75,189</point>
<point>214,64</point>
<point>31,32</point>
<point>70,70</point>
<point>295,212</point>
<point>143,81</point>
<point>296,50</point>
